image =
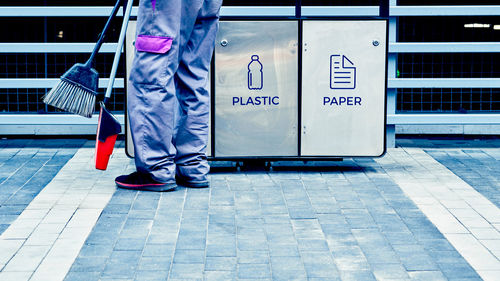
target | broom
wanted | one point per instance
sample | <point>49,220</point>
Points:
<point>77,88</point>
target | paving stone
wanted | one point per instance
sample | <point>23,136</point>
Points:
<point>350,258</point>
<point>81,276</point>
<point>380,256</point>
<point>221,250</point>
<point>117,209</point>
<point>321,270</point>
<point>186,271</point>
<point>250,244</point>
<point>253,257</point>
<point>219,275</point>
<point>101,238</point>
<point>289,274</point>
<point>427,275</point>
<point>357,275</point>
<point>155,263</point>
<point>89,250</point>
<point>316,257</point>
<point>287,250</point>
<point>436,244</point>
<point>247,271</point>
<point>302,213</point>
<point>165,238</point>
<point>151,275</point>
<point>286,263</point>
<point>158,250</point>
<point>389,271</point>
<point>130,244</point>
<point>446,256</point>
<point>312,245</point>
<point>120,270</point>
<point>125,257</point>
<point>460,269</point>
<point>89,264</point>
<point>400,238</point>
<point>191,242</point>
<point>189,256</point>
<point>220,264</point>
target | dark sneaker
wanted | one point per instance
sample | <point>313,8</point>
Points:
<point>192,183</point>
<point>141,181</point>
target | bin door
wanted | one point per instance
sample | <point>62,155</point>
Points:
<point>256,92</point>
<point>343,88</point>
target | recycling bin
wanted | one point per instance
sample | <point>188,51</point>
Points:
<point>295,89</point>
<point>256,89</point>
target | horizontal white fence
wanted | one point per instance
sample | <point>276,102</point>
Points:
<point>394,47</point>
<point>69,124</point>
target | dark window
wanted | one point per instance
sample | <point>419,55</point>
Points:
<point>112,2</point>
<point>58,29</point>
<point>225,3</point>
<point>30,101</point>
<point>470,65</point>
<point>259,3</point>
<point>52,65</point>
<point>60,3</point>
<point>446,2</point>
<point>449,29</point>
<point>340,2</point>
<point>448,100</point>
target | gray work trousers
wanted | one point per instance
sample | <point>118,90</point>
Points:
<point>168,96</point>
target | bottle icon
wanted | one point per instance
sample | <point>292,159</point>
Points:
<point>255,75</point>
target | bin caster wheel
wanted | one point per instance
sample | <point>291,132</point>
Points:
<point>269,166</point>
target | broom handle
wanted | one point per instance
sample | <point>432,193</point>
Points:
<point>103,34</point>
<point>118,51</point>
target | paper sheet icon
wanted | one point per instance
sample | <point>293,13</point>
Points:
<point>342,73</point>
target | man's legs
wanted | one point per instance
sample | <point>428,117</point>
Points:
<point>151,91</point>
<point>193,84</point>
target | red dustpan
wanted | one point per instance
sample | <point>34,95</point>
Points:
<point>108,129</point>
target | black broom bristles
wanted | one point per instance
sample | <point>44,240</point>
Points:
<point>76,91</point>
<point>72,97</point>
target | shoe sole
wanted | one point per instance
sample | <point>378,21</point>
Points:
<point>193,184</point>
<point>148,187</point>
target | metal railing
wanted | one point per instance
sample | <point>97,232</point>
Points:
<point>46,124</point>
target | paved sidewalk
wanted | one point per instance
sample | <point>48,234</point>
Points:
<point>401,217</point>
<point>26,167</point>
<point>478,167</point>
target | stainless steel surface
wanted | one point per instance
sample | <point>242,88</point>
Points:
<point>130,50</point>
<point>256,114</point>
<point>343,88</point>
